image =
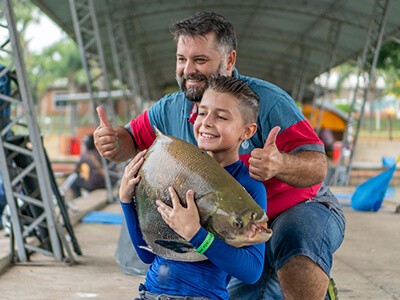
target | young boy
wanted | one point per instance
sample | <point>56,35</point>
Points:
<point>226,118</point>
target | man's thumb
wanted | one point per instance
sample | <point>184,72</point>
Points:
<point>271,139</point>
<point>103,117</point>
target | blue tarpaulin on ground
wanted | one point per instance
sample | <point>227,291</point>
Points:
<point>369,195</point>
<point>103,217</point>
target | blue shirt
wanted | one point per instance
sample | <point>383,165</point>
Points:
<point>207,278</point>
<point>172,114</point>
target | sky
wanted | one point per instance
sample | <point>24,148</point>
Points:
<point>43,34</point>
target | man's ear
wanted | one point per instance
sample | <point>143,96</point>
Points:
<point>249,131</point>
<point>231,60</point>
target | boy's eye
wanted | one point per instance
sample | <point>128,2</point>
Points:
<point>201,114</point>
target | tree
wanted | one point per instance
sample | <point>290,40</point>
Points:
<point>389,62</point>
<point>58,61</point>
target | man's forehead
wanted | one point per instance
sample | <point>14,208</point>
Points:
<point>204,40</point>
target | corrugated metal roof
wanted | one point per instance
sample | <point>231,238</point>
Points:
<point>272,34</point>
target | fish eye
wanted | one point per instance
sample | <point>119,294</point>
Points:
<point>253,216</point>
<point>238,223</point>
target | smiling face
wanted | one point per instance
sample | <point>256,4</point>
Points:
<point>219,127</point>
<point>197,59</point>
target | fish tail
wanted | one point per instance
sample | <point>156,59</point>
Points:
<point>157,131</point>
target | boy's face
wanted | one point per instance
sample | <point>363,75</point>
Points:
<point>219,124</point>
<point>197,58</point>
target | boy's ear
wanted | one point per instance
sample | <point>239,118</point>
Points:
<point>249,131</point>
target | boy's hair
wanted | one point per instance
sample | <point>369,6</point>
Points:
<point>206,22</point>
<point>248,101</point>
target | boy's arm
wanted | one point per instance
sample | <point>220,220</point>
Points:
<point>135,232</point>
<point>246,263</point>
<point>126,192</point>
<point>249,261</point>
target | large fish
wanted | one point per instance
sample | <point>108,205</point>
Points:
<point>225,207</point>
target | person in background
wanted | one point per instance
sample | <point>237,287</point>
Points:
<point>306,218</point>
<point>220,129</point>
<point>3,201</point>
<point>89,169</point>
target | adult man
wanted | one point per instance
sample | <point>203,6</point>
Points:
<point>305,217</point>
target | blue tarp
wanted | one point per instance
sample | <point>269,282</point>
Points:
<point>103,217</point>
<point>369,195</point>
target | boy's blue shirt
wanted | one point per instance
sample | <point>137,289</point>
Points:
<point>207,278</point>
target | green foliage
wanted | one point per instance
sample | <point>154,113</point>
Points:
<point>345,70</point>
<point>61,60</point>
<point>343,107</point>
<point>389,63</point>
<point>388,66</point>
<point>25,13</point>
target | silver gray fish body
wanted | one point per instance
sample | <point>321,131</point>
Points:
<point>225,207</point>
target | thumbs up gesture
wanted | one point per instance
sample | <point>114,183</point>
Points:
<point>105,137</point>
<point>266,162</point>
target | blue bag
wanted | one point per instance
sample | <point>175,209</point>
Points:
<point>369,195</point>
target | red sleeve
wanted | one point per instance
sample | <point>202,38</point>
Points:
<point>142,131</point>
<point>296,136</point>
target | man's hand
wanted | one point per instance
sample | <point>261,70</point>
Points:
<point>300,170</point>
<point>105,137</point>
<point>130,178</point>
<point>184,221</point>
<point>266,162</point>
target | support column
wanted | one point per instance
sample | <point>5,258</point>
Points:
<point>23,163</point>
<point>356,113</point>
<point>93,62</point>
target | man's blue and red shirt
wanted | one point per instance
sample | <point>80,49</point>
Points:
<point>174,115</point>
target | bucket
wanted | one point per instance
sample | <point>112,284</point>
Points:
<point>75,148</point>
<point>337,148</point>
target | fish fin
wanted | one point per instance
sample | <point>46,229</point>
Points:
<point>179,247</point>
<point>157,131</point>
<point>147,248</point>
<point>207,205</point>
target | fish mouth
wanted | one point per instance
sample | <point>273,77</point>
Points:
<point>259,232</point>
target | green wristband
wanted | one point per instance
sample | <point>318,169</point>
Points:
<point>205,244</point>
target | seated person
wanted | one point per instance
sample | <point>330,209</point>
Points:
<point>3,201</point>
<point>89,169</point>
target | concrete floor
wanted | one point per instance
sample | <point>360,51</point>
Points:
<point>367,265</point>
<point>95,276</point>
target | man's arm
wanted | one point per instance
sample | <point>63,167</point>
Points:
<point>306,169</point>
<point>300,170</point>
<point>115,144</point>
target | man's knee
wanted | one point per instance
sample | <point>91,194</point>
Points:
<point>302,278</point>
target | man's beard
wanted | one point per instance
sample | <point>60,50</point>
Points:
<point>196,93</point>
<point>193,93</point>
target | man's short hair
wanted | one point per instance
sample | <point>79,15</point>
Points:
<point>248,101</point>
<point>206,22</point>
